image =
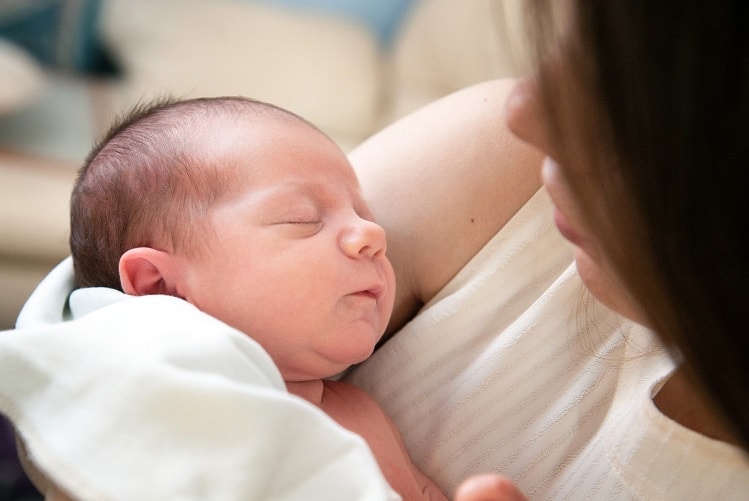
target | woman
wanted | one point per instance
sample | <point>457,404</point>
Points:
<point>642,111</point>
<point>646,169</point>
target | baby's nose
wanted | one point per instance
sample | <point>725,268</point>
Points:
<point>363,238</point>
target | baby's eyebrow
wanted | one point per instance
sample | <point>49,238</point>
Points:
<point>283,189</point>
<point>290,194</point>
<point>321,195</point>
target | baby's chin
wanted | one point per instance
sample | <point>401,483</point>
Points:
<point>343,368</point>
<point>331,369</point>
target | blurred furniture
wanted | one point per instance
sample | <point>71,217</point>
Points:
<point>68,67</point>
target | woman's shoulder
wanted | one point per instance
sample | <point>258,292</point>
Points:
<point>442,182</point>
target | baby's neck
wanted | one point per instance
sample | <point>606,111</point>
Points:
<point>309,390</point>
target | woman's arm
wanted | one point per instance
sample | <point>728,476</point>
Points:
<point>442,181</point>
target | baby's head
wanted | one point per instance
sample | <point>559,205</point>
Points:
<point>246,211</point>
<point>153,177</point>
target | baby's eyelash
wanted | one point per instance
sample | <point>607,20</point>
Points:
<point>304,222</point>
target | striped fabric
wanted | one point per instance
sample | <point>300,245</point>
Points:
<point>514,368</point>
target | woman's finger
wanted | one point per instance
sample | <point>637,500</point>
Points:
<point>488,487</point>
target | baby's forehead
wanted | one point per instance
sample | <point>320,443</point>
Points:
<point>230,133</point>
<point>251,149</point>
<point>278,184</point>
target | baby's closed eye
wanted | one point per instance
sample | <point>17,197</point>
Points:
<point>300,226</point>
<point>302,221</point>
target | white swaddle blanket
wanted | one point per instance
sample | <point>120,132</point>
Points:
<point>512,368</point>
<point>148,398</point>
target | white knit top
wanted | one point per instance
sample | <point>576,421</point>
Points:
<point>514,368</point>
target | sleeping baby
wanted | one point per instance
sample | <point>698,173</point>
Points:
<point>254,216</point>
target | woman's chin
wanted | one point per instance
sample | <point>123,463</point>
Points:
<point>606,287</point>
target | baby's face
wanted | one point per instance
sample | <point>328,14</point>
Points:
<point>295,260</point>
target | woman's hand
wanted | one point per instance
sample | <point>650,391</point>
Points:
<point>488,487</point>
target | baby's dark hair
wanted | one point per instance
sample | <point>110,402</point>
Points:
<point>148,184</point>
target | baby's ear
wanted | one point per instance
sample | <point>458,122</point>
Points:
<point>145,271</point>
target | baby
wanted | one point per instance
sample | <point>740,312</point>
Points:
<point>254,216</point>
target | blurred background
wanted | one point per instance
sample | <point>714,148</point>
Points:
<point>68,67</point>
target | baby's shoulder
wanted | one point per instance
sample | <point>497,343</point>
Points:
<point>348,403</point>
<point>346,393</point>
